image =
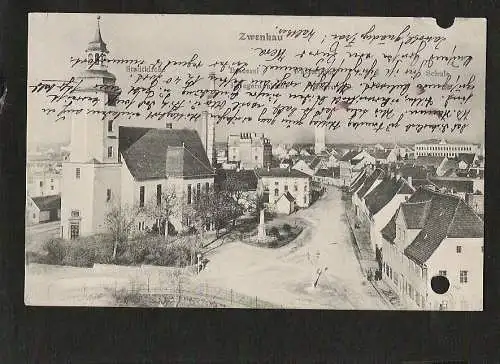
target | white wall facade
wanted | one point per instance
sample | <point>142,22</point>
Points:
<point>298,187</point>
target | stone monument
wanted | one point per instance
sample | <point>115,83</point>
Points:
<point>261,234</point>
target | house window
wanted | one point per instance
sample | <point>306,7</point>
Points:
<point>286,188</point>
<point>207,187</point>
<point>41,184</point>
<point>256,157</point>
<point>442,273</point>
<point>295,188</point>
<point>75,213</point>
<point>52,188</point>
<point>158,195</point>
<point>276,183</point>
<point>74,231</point>
<point>77,173</point>
<point>110,152</point>
<point>110,126</point>
<point>189,195</point>
<point>141,196</point>
<point>459,248</point>
<point>276,192</point>
<point>305,199</point>
<point>108,195</point>
<point>305,188</point>
<point>34,215</point>
<point>198,191</point>
<point>463,276</point>
<point>52,180</point>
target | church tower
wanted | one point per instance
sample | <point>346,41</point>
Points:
<point>91,179</point>
<point>319,140</point>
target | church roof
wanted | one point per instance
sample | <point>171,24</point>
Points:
<point>97,44</point>
<point>159,153</point>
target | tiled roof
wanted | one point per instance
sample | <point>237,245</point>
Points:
<point>458,185</point>
<point>384,192</point>
<point>349,155</point>
<point>389,230</point>
<point>380,154</point>
<point>447,216</point>
<point>158,153</point>
<point>466,157</point>
<point>358,181</point>
<point>428,160</point>
<point>415,213</point>
<point>288,196</point>
<point>246,179</point>
<point>45,203</point>
<point>280,172</point>
<point>369,181</point>
<point>314,163</point>
<point>325,172</point>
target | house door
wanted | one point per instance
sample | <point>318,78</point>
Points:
<point>74,231</point>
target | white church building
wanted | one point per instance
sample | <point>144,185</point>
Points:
<point>112,164</point>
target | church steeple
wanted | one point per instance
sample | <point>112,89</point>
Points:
<point>97,50</point>
<point>97,44</point>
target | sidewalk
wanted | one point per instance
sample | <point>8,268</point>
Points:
<point>366,256</point>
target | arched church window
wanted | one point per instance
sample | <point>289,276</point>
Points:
<point>90,58</point>
<point>97,58</point>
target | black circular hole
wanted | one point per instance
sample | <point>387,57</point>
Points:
<point>445,21</point>
<point>440,284</point>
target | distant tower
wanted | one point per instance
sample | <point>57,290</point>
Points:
<point>91,177</point>
<point>207,130</point>
<point>319,140</point>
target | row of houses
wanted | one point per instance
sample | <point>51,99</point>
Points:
<point>421,227</point>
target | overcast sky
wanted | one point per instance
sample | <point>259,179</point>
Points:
<point>54,38</point>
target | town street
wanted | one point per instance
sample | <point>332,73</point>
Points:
<point>285,276</point>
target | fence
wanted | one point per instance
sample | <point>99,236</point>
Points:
<point>200,295</point>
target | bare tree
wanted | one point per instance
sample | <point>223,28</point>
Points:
<point>163,208</point>
<point>119,221</point>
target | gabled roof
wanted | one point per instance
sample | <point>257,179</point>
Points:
<point>389,230</point>
<point>369,181</point>
<point>325,172</point>
<point>349,155</point>
<point>384,192</point>
<point>439,216</point>
<point>288,196</point>
<point>358,181</point>
<point>466,157</point>
<point>45,203</point>
<point>415,213</point>
<point>415,172</point>
<point>428,160</point>
<point>448,216</point>
<point>157,153</point>
<point>380,154</point>
<point>458,185</point>
<point>246,178</point>
<point>314,163</point>
<point>280,172</point>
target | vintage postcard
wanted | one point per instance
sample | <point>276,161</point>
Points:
<point>255,162</point>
